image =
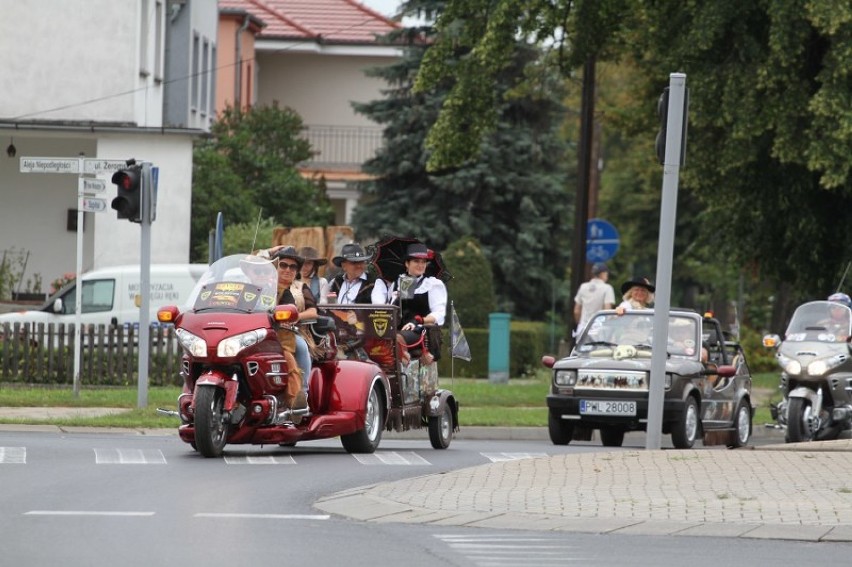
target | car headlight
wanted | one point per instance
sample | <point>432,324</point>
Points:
<point>233,345</point>
<point>820,367</point>
<point>790,366</point>
<point>194,345</point>
<point>565,377</point>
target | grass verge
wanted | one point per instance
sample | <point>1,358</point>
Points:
<point>520,403</point>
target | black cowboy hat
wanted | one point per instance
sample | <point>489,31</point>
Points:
<point>637,282</point>
<point>353,253</point>
<point>289,252</point>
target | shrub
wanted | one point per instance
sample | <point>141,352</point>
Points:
<point>472,287</point>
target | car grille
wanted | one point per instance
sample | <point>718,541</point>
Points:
<point>612,380</point>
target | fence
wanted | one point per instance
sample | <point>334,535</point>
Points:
<point>43,354</point>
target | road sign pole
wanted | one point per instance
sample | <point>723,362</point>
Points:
<point>78,291</point>
<point>665,252</point>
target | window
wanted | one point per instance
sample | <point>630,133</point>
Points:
<point>158,42</point>
<point>97,296</point>
<point>144,61</point>
<point>205,77</point>
<point>196,75</point>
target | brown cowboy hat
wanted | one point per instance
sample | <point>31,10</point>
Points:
<point>637,282</point>
<point>310,254</point>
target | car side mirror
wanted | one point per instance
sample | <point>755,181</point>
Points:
<point>57,305</point>
<point>771,341</point>
<point>548,361</point>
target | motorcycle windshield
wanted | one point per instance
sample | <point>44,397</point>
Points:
<point>240,282</point>
<point>823,321</point>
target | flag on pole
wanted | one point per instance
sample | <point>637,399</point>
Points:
<point>460,347</point>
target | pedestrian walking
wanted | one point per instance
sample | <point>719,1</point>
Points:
<point>593,295</point>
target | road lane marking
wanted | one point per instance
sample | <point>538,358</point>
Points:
<point>498,457</point>
<point>83,513</point>
<point>262,516</point>
<point>248,459</point>
<point>13,455</point>
<point>392,458</point>
<point>129,457</point>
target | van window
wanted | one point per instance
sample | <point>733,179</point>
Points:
<point>98,296</point>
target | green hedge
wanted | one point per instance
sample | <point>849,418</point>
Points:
<point>527,343</point>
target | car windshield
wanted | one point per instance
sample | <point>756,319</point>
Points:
<point>607,330</point>
<point>824,321</point>
<point>240,282</point>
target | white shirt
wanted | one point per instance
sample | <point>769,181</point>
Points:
<point>384,293</point>
<point>592,296</point>
<point>349,290</point>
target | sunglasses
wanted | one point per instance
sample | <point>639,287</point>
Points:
<point>287,266</point>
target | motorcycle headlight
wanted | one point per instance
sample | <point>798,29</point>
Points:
<point>565,378</point>
<point>820,367</point>
<point>233,345</point>
<point>790,366</point>
<point>194,345</point>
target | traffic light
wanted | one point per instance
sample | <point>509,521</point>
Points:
<point>128,200</point>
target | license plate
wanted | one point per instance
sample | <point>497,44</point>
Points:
<point>604,407</point>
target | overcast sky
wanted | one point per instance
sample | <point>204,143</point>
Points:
<point>384,7</point>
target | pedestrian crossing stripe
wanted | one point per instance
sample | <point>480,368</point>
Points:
<point>256,459</point>
<point>13,455</point>
<point>392,458</point>
<point>129,457</point>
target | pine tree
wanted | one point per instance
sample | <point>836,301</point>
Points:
<point>513,198</point>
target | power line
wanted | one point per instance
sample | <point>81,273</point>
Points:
<point>192,76</point>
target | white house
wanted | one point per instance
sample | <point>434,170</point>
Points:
<point>102,79</point>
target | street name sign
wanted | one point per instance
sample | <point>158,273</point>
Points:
<point>89,185</point>
<point>49,165</point>
<point>103,166</point>
<point>94,205</point>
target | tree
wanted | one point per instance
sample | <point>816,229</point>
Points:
<point>768,181</point>
<point>512,198</point>
<point>248,164</point>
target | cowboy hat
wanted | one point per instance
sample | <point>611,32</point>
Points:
<point>310,254</point>
<point>289,252</point>
<point>637,282</point>
<point>418,250</point>
<point>352,253</point>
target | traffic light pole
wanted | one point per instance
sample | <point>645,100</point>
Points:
<point>676,118</point>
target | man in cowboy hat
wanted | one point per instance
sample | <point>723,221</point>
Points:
<point>354,285</point>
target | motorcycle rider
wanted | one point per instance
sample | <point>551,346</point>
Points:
<point>837,321</point>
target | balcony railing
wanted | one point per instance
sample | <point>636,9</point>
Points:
<point>342,147</point>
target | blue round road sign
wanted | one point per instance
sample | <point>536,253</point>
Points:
<point>601,240</point>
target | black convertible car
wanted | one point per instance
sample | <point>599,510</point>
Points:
<point>604,383</point>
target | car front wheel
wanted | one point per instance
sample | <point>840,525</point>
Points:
<point>560,430</point>
<point>685,431</point>
<point>742,425</point>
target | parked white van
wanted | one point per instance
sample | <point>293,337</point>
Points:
<point>112,296</point>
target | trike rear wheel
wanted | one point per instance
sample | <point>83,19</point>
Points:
<point>441,428</point>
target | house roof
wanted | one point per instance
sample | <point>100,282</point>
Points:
<point>326,21</point>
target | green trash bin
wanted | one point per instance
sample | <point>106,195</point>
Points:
<point>498,347</point>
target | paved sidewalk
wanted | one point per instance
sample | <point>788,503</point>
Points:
<point>797,491</point>
<point>794,491</point>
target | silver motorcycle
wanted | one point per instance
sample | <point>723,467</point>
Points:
<point>816,372</point>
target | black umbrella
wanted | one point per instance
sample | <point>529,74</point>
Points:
<point>389,258</point>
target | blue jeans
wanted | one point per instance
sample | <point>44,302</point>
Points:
<point>303,359</point>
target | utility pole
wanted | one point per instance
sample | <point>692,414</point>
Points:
<point>585,155</point>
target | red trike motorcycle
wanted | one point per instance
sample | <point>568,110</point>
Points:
<point>236,376</point>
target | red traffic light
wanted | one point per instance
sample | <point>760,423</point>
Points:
<point>128,201</point>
